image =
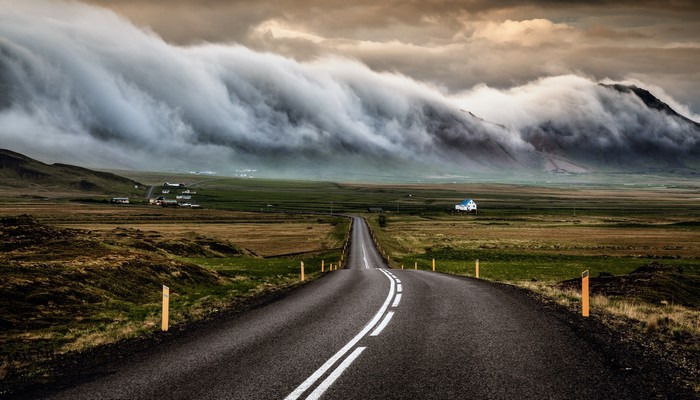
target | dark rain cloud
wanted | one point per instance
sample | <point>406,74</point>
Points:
<point>80,83</point>
<point>456,44</point>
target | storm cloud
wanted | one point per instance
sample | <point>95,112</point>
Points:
<point>80,83</point>
<point>456,44</point>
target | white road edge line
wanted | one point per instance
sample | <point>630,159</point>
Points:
<point>318,392</point>
<point>328,364</point>
<point>399,288</point>
<point>384,323</point>
<point>397,300</point>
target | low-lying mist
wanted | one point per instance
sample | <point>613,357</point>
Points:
<point>79,84</point>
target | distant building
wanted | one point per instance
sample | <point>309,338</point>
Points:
<point>157,201</point>
<point>466,205</point>
<point>120,200</point>
<point>173,185</point>
<point>169,203</point>
<point>375,209</point>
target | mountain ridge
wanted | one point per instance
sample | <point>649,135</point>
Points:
<point>649,100</point>
<point>20,171</point>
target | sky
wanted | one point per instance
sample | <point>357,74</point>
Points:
<point>455,45</point>
<point>299,88</point>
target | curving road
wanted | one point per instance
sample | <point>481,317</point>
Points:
<point>371,332</point>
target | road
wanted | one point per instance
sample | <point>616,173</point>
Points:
<point>372,332</point>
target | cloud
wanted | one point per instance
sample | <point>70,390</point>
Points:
<point>575,117</point>
<point>456,44</point>
<point>90,80</point>
<point>527,33</point>
<point>81,83</point>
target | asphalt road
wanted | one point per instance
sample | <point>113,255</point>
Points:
<point>369,332</point>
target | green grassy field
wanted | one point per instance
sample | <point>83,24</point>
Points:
<point>543,247</point>
<point>251,235</point>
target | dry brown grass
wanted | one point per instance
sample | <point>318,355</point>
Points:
<point>673,318</point>
<point>264,239</point>
<point>266,235</point>
<point>543,234</point>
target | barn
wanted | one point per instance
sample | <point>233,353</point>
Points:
<point>466,205</point>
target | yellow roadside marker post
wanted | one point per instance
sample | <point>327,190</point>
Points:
<point>477,268</point>
<point>166,308</point>
<point>433,265</point>
<point>584,294</point>
<point>322,265</point>
<point>401,266</point>
<point>302,271</point>
<point>415,266</point>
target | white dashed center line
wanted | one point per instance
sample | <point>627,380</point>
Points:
<point>384,323</point>
<point>364,256</point>
<point>397,300</point>
<point>395,290</point>
<point>311,380</point>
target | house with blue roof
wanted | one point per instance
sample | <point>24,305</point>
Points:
<point>466,205</point>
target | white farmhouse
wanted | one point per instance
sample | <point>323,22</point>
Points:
<point>466,205</point>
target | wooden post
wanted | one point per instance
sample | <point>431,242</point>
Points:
<point>322,265</point>
<point>166,308</point>
<point>302,271</point>
<point>477,268</point>
<point>433,265</point>
<point>584,294</point>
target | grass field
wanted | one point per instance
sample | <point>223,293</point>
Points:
<point>538,247</point>
<point>93,273</point>
<point>77,276</point>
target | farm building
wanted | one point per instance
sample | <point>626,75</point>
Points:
<point>466,205</point>
<point>120,200</point>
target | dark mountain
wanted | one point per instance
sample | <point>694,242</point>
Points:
<point>20,171</point>
<point>620,133</point>
<point>650,100</point>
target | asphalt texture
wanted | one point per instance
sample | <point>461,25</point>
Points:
<point>369,332</point>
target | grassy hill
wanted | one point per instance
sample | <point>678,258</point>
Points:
<point>21,172</point>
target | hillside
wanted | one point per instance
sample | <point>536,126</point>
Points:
<point>22,172</point>
<point>633,131</point>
